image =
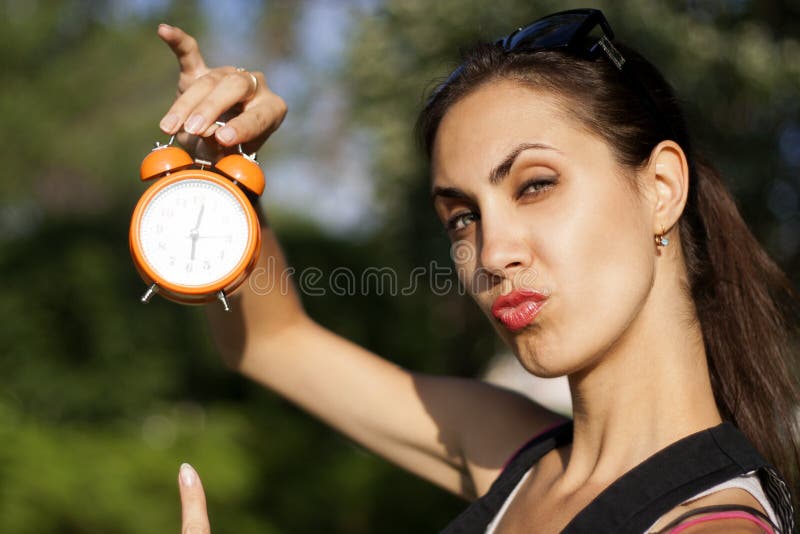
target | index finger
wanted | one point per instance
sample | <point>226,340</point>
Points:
<point>193,502</point>
<point>185,48</point>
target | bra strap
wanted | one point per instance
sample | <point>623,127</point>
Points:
<point>717,508</point>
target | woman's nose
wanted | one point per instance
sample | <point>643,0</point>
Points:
<point>504,248</point>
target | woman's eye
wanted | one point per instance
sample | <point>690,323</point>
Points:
<point>536,186</point>
<point>460,221</point>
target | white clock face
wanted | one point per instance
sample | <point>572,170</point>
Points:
<point>194,232</point>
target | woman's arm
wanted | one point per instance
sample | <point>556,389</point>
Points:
<point>457,433</point>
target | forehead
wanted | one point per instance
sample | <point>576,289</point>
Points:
<point>479,129</point>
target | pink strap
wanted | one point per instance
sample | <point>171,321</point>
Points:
<point>734,514</point>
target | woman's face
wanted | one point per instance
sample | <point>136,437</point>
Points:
<point>537,208</point>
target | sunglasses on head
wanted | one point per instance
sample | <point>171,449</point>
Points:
<point>568,30</point>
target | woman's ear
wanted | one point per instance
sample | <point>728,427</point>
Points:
<point>668,178</point>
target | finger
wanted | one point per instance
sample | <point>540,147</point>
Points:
<point>194,516</point>
<point>233,88</point>
<point>183,107</point>
<point>210,130</point>
<point>185,48</point>
<point>260,118</point>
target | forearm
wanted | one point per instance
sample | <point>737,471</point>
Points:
<point>265,304</point>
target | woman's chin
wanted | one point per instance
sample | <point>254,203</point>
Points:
<point>536,368</point>
<point>541,361</point>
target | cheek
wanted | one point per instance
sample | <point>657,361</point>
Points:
<point>605,268</point>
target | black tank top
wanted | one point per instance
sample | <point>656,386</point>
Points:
<point>637,499</point>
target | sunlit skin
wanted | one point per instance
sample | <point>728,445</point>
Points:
<point>562,221</point>
<point>617,321</point>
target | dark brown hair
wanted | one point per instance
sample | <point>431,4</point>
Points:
<point>747,308</point>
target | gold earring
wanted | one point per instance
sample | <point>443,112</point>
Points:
<point>661,241</point>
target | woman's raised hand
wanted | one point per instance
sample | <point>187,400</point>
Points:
<point>194,516</point>
<point>242,98</point>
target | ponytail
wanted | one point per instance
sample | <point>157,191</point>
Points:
<point>749,317</point>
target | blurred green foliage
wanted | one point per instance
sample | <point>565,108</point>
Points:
<point>103,398</point>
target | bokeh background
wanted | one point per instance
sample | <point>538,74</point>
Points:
<point>101,397</point>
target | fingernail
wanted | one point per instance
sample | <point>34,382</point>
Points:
<point>165,25</point>
<point>194,123</point>
<point>226,134</point>
<point>188,475</point>
<point>169,122</point>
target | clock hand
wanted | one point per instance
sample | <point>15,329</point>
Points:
<point>193,232</point>
<point>199,216</point>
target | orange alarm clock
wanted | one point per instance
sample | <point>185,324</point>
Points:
<point>194,234</point>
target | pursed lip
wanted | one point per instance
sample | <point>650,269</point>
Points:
<point>519,308</point>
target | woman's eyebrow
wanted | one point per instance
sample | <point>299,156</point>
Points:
<point>502,170</point>
<point>497,174</point>
<point>448,192</point>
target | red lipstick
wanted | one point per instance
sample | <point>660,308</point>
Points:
<point>519,308</point>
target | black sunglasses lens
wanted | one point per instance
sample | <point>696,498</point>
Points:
<point>552,32</point>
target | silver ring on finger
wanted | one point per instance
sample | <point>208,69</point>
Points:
<point>253,83</point>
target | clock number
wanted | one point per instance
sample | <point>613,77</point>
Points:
<point>206,266</point>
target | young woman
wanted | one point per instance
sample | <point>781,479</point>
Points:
<point>605,249</point>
